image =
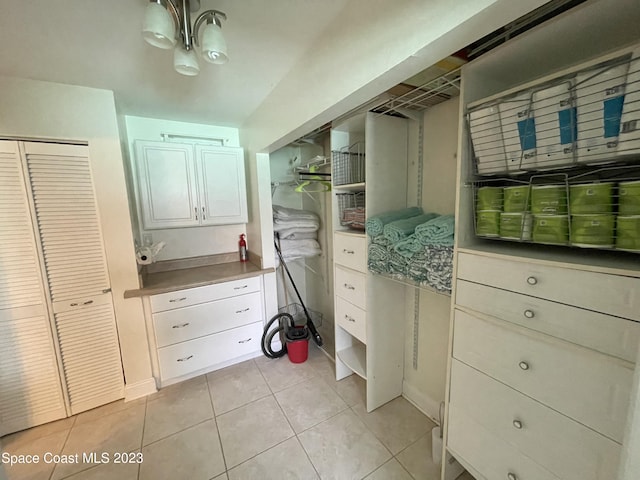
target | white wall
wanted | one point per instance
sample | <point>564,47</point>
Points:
<point>182,242</point>
<point>42,110</point>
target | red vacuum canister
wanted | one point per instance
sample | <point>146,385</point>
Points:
<point>242,244</point>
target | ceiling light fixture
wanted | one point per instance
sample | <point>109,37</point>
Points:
<point>167,20</point>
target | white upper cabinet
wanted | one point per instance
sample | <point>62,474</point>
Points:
<point>182,186</point>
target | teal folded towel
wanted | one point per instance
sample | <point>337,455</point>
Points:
<point>396,231</point>
<point>378,253</point>
<point>375,224</point>
<point>381,240</point>
<point>408,247</point>
<point>436,231</point>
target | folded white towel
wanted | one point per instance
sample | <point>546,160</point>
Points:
<point>298,235</point>
<point>284,213</point>
<point>291,249</point>
<point>279,224</point>
<point>287,232</point>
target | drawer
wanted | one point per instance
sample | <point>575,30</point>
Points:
<point>174,326</point>
<point>351,286</point>
<point>193,296</point>
<point>591,388</point>
<point>350,251</point>
<point>601,292</point>
<point>564,447</point>
<point>187,357</point>
<point>492,457</point>
<point>604,333</point>
<point>352,319</point>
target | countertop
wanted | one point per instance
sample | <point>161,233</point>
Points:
<point>179,279</point>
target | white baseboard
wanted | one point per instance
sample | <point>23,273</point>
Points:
<point>424,403</point>
<point>139,389</point>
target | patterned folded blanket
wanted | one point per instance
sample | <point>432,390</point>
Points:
<point>375,224</point>
<point>396,231</point>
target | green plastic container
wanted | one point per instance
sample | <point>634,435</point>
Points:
<point>515,226</point>
<point>629,198</point>
<point>552,229</point>
<point>628,233</point>
<point>488,223</point>
<point>517,199</point>
<point>489,198</point>
<point>548,199</point>
<point>592,230</point>
<point>591,198</point>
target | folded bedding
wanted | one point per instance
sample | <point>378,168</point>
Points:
<point>375,224</point>
<point>438,230</point>
<point>285,213</point>
<point>378,253</point>
<point>400,229</point>
<point>408,247</point>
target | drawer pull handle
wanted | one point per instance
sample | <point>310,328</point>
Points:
<point>177,299</point>
<point>241,287</point>
<point>349,287</point>
<point>517,424</point>
<point>529,313</point>
<point>73,304</point>
<point>182,325</point>
<point>512,476</point>
<point>185,358</point>
<point>532,280</point>
<point>245,341</point>
<point>242,311</point>
<point>349,318</point>
<point>88,302</point>
<point>348,252</point>
<point>524,365</point>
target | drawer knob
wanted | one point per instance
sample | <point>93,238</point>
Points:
<point>512,476</point>
<point>532,280</point>
<point>529,313</point>
<point>184,359</point>
<point>348,252</point>
<point>177,299</point>
<point>182,325</point>
<point>524,365</point>
<point>349,318</point>
<point>517,424</point>
<point>349,287</point>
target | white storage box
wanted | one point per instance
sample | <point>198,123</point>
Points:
<point>600,97</point>
<point>519,132</point>
<point>629,141</point>
<point>556,125</point>
<point>486,136</point>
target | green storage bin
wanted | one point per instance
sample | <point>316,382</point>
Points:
<point>628,233</point>
<point>548,199</point>
<point>488,223</point>
<point>515,226</point>
<point>591,198</point>
<point>517,199</point>
<point>489,199</point>
<point>592,230</point>
<point>552,229</point>
<point>629,198</point>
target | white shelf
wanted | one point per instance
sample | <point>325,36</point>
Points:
<point>355,357</point>
<point>351,187</point>
<point>351,231</point>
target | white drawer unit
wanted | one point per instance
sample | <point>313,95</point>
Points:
<point>207,293</point>
<point>195,355</point>
<point>612,294</point>
<point>174,326</point>
<point>352,319</point>
<point>565,447</point>
<point>351,286</point>
<point>604,333</point>
<point>350,250</point>
<point>591,388</point>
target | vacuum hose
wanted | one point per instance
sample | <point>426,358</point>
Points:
<point>267,336</point>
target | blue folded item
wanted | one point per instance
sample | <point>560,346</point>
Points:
<point>436,231</point>
<point>408,247</point>
<point>375,224</point>
<point>396,231</point>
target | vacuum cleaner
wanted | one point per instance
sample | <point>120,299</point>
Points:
<point>294,339</point>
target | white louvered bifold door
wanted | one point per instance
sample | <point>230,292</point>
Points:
<point>76,270</point>
<point>30,389</point>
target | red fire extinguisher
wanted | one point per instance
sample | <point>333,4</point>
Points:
<point>243,249</point>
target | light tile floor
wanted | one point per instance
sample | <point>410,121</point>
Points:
<point>260,419</point>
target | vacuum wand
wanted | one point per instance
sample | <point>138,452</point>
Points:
<point>312,328</point>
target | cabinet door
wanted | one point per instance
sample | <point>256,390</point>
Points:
<point>223,192</point>
<point>30,388</point>
<point>167,189</point>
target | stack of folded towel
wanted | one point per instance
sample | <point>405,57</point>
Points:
<point>297,231</point>
<point>411,244</point>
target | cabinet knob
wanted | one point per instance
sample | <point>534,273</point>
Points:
<point>532,280</point>
<point>348,252</point>
<point>182,325</point>
<point>524,365</point>
<point>529,313</point>
<point>349,319</point>
<point>517,424</point>
<point>349,287</point>
<point>195,209</point>
<point>512,476</point>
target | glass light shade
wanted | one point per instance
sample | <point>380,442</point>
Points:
<point>158,27</point>
<point>185,62</point>
<point>214,47</point>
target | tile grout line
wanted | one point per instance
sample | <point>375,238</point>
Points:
<point>224,458</point>
<point>144,423</point>
<point>64,444</point>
